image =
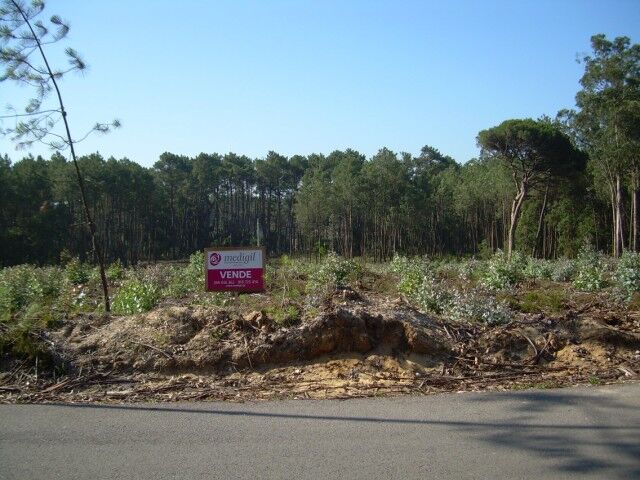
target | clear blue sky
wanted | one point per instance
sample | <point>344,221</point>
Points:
<point>304,77</point>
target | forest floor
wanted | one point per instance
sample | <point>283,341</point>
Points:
<point>360,341</point>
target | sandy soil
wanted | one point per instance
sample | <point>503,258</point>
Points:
<point>357,344</point>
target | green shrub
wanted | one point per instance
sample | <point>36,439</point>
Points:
<point>333,272</point>
<point>418,283</point>
<point>18,285</point>
<point>135,296</point>
<point>538,269</point>
<point>627,275</point>
<point>590,270</point>
<point>564,270</point>
<point>28,302</point>
<point>19,339</point>
<point>400,264</point>
<point>283,316</point>
<point>115,271</point>
<point>411,272</point>
<point>485,252</point>
<point>469,269</point>
<point>77,272</point>
<point>411,281</point>
<point>25,284</point>
<point>503,273</point>
<point>431,296</point>
<point>475,307</point>
<point>187,280</point>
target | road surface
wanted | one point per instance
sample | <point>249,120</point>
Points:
<point>587,432</point>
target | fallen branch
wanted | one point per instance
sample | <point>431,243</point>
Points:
<point>10,389</point>
<point>247,350</point>
<point>535,349</point>
<point>153,348</point>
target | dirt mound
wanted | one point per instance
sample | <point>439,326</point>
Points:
<point>356,345</point>
<point>185,339</point>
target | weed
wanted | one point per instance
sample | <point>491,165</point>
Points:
<point>115,271</point>
<point>548,301</point>
<point>421,287</point>
<point>545,385</point>
<point>627,275</point>
<point>590,270</point>
<point>135,296</point>
<point>77,272</point>
<point>333,272</point>
<point>283,316</point>
<point>218,333</point>
<point>502,273</point>
<point>564,270</point>
<point>538,269</point>
<point>186,280</point>
<point>477,307</point>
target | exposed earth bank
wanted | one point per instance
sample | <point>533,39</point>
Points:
<point>357,344</point>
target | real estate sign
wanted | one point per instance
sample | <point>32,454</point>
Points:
<point>236,269</point>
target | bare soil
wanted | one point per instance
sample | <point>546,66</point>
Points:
<point>358,344</point>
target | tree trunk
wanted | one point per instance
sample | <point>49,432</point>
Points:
<point>516,206</point>
<point>634,213</point>
<point>614,221</point>
<point>92,226</point>
<point>540,221</point>
<point>619,225</point>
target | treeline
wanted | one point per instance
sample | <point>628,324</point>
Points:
<point>299,205</point>
<point>546,186</point>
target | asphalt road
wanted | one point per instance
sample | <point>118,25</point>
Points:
<point>588,432</point>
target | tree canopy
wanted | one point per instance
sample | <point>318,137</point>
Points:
<point>535,152</point>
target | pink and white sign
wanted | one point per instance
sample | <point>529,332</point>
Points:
<point>235,269</point>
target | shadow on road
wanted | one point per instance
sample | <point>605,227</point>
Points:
<point>610,450</point>
<point>598,445</point>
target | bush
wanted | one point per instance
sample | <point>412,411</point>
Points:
<point>472,306</point>
<point>77,272</point>
<point>419,284</point>
<point>115,271</point>
<point>400,264</point>
<point>411,281</point>
<point>186,280</point>
<point>135,296</point>
<point>503,273</point>
<point>333,272</point>
<point>564,270</point>
<point>285,315</point>
<point>590,270</point>
<point>469,269</point>
<point>411,272</point>
<point>484,250</point>
<point>627,275</point>
<point>23,285</point>
<point>431,295</point>
<point>547,301</point>
<point>19,340</point>
<point>29,301</point>
<point>17,287</point>
<point>538,269</point>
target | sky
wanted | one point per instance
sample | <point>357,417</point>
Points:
<point>301,77</point>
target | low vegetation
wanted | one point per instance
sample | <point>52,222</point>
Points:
<point>490,291</point>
